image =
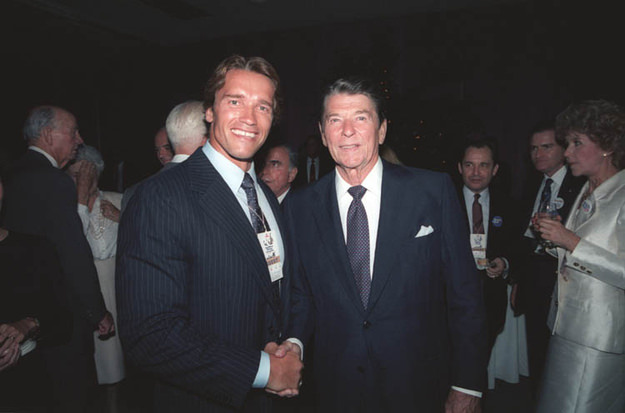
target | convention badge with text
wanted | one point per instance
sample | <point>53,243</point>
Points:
<point>269,246</point>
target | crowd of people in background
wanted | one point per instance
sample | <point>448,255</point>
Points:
<point>331,279</point>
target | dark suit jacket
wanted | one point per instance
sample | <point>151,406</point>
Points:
<point>501,242</point>
<point>41,200</point>
<point>195,300</point>
<point>326,164</point>
<point>424,327</point>
<point>537,273</point>
<point>130,191</point>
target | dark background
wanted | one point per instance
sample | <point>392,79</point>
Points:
<point>497,69</point>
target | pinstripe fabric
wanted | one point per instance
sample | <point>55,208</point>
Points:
<point>194,294</point>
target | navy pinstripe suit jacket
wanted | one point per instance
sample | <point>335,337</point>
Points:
<point>195,300</point>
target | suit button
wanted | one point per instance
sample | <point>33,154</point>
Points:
<point>360,369</point>
<point>582,268</point>
<point>576,264</point>
<point>366,324</point>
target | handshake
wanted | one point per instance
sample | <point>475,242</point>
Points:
<point>285,376</point>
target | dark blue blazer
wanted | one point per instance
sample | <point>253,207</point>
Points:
<point>424,328</point>
<point>195,300</point>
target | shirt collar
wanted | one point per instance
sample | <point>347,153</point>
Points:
<point>281,197</point>
<point>558,176</point>
<point>372,182</point>
<point>468,194</point>
<point>44,153</point>
<point>231,173</point>
<point>179,158</point>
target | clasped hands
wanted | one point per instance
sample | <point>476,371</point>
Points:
<point>285,375</point>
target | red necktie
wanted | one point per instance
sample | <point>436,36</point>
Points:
<point>478,221</point>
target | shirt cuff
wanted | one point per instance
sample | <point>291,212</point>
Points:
<point>264,369</point>
<point>467,391</point>
<point>299,343</point>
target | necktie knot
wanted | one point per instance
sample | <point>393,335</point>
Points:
<point>476,197</point>
<point>545,197</point>
<point>357,192</point>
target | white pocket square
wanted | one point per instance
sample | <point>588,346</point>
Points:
<point>423,231</point>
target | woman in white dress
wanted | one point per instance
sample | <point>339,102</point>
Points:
<point>585,366</point>
<point>99,212</point>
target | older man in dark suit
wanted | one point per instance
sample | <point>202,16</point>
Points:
<point>41,199</point>
<point>201,261</point>
<point>384,280</point>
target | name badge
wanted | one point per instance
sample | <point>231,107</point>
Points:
<point>274,263</point>
<point>478,247</point>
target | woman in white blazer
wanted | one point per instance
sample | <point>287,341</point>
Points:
<point>585,367</point>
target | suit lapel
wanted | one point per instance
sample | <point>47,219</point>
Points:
<point>223,209</point>
<point>328,220</point>
<point>395,218</point>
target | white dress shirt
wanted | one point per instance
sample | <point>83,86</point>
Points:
<point>371,200</point>
<point>484,201</point>
<point>558,178</point>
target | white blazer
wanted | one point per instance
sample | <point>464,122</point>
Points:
<point>588,306</point>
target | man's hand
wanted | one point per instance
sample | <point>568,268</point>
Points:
<point>496,268</point>
<point>286,369</point>
<point>10,339</point>
<point>458,402</point>
<point>106,327</point>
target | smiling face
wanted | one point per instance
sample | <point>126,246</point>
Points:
<point>351,130</point>
<point>241,116</point>
<point>477,168</point>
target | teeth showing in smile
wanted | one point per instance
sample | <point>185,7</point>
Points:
<point>239,132</point>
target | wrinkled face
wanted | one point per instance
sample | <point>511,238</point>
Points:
<point>351,130</point>
<point>276,173</point>
<point>162,147</point>
<point>241,116</point>
<point>63,137</point>
<point>477,168</point>
<point>547,156</point>
<point>584,156</point>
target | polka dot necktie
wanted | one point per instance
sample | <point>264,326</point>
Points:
<point>358,243</point>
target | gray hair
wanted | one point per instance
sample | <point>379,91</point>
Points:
<point>39,118</point>
<point>90,154</point>
<point>292,154</point>
<point>185,123</point>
